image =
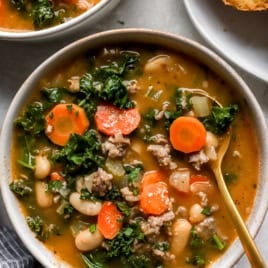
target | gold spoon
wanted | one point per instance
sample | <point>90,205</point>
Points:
<point>248,243</point>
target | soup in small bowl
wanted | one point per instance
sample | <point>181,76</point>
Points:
<point>108,164</point>
<point>36,20</point>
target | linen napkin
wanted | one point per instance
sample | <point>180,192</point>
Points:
<point>13,253</point>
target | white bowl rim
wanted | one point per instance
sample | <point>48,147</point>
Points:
<point>61,28</point>
<point>261,201</point>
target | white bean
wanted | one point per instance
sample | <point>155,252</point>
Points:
<point>180,235</point>
<point>42,167</point>
<point>85,207</point>
<point>195,214</point>
<point>85,240</point>
<point>155,64</point>
<point>43,198</point>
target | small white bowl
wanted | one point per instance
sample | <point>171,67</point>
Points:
<point>73,25</point>
<point>139,36</point>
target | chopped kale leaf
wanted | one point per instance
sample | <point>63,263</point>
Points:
<point>206,211</point>
<point>20,5</point>
<point>123,207</point>
<point>86,195</point>
<point>32,120</point>
<point>220,118</point>
<point>195,240</point>
<point>54,186</point>
<point>196,260</point>
<point>230,177</point>
<point>97,259</point>
<point>115,91</point>
<point>54,95</point>
<point>81,153</point>
<point>42,13</point>
<point>20,188</point>
<point>122,244</point>
<point>217,242</point>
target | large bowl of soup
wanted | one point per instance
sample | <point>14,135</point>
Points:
<point>106,152</point>
<point>42,19</point>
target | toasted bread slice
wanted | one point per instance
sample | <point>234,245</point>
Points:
<point>248,5</point>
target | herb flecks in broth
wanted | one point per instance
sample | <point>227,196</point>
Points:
<point>133,188</point>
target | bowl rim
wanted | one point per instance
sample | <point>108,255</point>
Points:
<point>69,25</point>
<point>235,251</point>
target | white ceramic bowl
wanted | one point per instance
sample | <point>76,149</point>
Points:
<point>119,37</point>
<point>84,20</point>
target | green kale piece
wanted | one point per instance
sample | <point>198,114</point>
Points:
<point>195,240</point>
<point>81,153</point>
<point>230,177</point>
<point>86,97</point>
<point>123,243</point>
<point>126,62</point>
<point>113,195</point>
<point>20,5</point>
<point>32,120</point>
<point>36,224</point>
<point>43,13</point>
<point>97,259</point>
<point>42,230</point>
<point>86,195</point>
<point>196,260</point>
<point>141,261</point>
<point>20,188</point>
<point>133,174</point>
<point>54,95</point>
<point>54,186</point>
<point>162,245</point>
<point>220,118</point>
<point>206,211</point>
<point>115,91</point>
<point>171,115</point>
<point>217,242</point>
<point>123,207</point>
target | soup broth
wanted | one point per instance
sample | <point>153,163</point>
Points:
<point>35,15</point>
<point>149,202</point>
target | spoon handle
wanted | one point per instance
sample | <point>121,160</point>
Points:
<point>248,243</point>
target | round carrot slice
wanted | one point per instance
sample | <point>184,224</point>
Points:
<point>151,177</point>
<point>154,198</point>
<point>63,120</point>
<point>111,120</point>
<point>187,134</point>
<point>109,220</point>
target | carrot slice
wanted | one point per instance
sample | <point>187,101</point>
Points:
<point>63,120</point>
<point>109,220</point>
<point>154,198</point>
<point>187,134</point>
<point>151,177</point>
<point>55,176</point>
<point>111,120</point>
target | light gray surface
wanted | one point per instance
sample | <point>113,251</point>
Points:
<point>18,60</point>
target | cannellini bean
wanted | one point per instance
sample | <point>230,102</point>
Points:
<point>42,167</point>
<point>43,198</point>
<point>85,207</point>
<point>157,63</point>
<point>180,235</point>
<point>195,214</point>
<point>85,240</point>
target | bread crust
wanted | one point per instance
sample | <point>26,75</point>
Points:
<point>248,5</point>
